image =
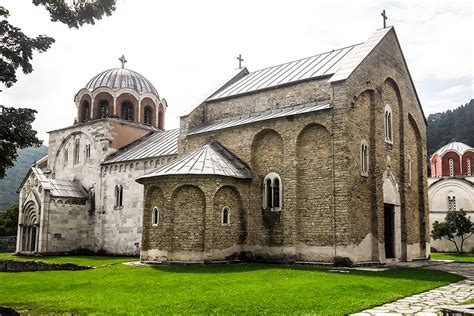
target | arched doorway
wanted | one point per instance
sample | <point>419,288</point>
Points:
<point>29,229</point>
<point>391,217</point>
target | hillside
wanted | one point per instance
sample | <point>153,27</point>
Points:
<point>14,176</point>
<point>457,124</point>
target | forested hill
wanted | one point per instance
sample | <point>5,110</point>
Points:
<point>14,176</point>
<point>452,125</point>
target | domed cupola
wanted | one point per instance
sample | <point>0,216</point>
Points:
<point>121,93</point>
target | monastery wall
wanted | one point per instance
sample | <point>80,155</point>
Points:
<point>119,228</point>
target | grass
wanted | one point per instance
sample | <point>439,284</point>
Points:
<point>464,257</point>
<point>213,289</point>
<point>92,261</point>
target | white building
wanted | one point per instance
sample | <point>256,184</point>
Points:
<point>82,195</point>
<point>451,187</point>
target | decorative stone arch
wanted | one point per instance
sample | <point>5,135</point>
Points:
<point>84,110</point>
<point>235,232</point>
<point>267,145</point>
<point>148,103</point>
<point>188,215</point>
<point>391,217</point>
<point>131,99</point>
<point>451,160</point>
<point>455,183</point>
<point>314,187</point>
<point>103,103</point>
<point>64,143</point>
<point>29,228</point>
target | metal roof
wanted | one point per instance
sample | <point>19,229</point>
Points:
<point>59,188</point>
<point>307,68</point>
<point>118,78</point>
<point>357,55</point>
<point>260,116</point>
<point>210,159</point>
<point>458,147</point>
<point>155,144</point>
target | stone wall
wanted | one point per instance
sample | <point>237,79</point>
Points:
<point>28,266</point>
<point>7,244</point>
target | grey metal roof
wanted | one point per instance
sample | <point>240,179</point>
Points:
<point>260,116</point>
<point>60,188</point>
<point>210,159</point>
<point>118,78</point>
<point>458,147</point>
<point>357,55</point>
<point>155,144</point>
<point>307,68</point>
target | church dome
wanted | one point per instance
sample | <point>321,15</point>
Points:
<point>458,147</point>
<point>119,78</point>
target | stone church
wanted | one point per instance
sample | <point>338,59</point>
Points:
<point>310,160</point>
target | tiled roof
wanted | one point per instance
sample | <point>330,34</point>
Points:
<point>458,147</point>
<point>210,159</point>
<point>260,116</point>
<point>155,144</point>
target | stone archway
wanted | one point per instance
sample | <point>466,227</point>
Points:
<point>29,229</point>
<point>391,217</point>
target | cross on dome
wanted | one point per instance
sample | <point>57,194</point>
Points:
<point>123,61</point>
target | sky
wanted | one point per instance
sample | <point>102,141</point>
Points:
<point>185,47</point>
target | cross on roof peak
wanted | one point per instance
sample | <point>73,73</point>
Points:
<point>240,59</point>
<point>123,61</point>
<point>384,16</point>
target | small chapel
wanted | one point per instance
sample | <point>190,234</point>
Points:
<point>307,161</point>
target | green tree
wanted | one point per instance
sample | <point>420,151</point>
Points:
<point>9,221</point>
<point>457,227</point>
<point>16,50</point>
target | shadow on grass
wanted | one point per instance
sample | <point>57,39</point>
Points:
<point>394,273</point>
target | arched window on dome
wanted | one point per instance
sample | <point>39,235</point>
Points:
<point>103,109</point>
<point>85,111</point>
<point>127,111</point>
<point>160,119</point>
<point>451,167</point>
<point>147,115</point>
<point>469,167</point>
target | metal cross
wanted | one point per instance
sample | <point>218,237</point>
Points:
<point>123,61</point>
<point>240,59</point>
<point>384,16</point>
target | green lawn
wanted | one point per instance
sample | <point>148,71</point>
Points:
<point>218,289</point>
<point>92,261</point>
<point>465,257</point>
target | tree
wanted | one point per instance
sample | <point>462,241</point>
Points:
<point>9,221</point>
<point>456,228</point>
<point>15,133</point>
<point>16,50</point>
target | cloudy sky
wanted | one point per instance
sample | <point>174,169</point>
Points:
<point>185,47</point>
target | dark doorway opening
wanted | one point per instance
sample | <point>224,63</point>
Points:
<point>389,230</point>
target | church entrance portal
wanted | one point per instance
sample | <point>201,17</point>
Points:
<point>28,238</point>
<point>389,230</point>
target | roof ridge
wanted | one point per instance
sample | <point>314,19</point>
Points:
<point>308,57</point>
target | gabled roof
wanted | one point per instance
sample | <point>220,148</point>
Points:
<point>155,144</point>
<point>313,67</point>
<point>57,188</point>
<point>260,116</point>
<point>458,147</point>
<point>210,159</point>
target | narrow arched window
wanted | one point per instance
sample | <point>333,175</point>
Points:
<point>85,111</point>
<point>364,158</point>
<point>409,170</point>
<point>451,202</point>
<point>118,195</point>
<point>451,167</point>
<point>272,192</point>
<point>147,115</point>
<point>127,111</point>
<point>469,168</point>
<point>155,217</point>
<point>225,216</point>
<point>388,124</point>
<point>66,156</point>
<point>104,109</point>
<point>76,151</point>
<point>88,152</point>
